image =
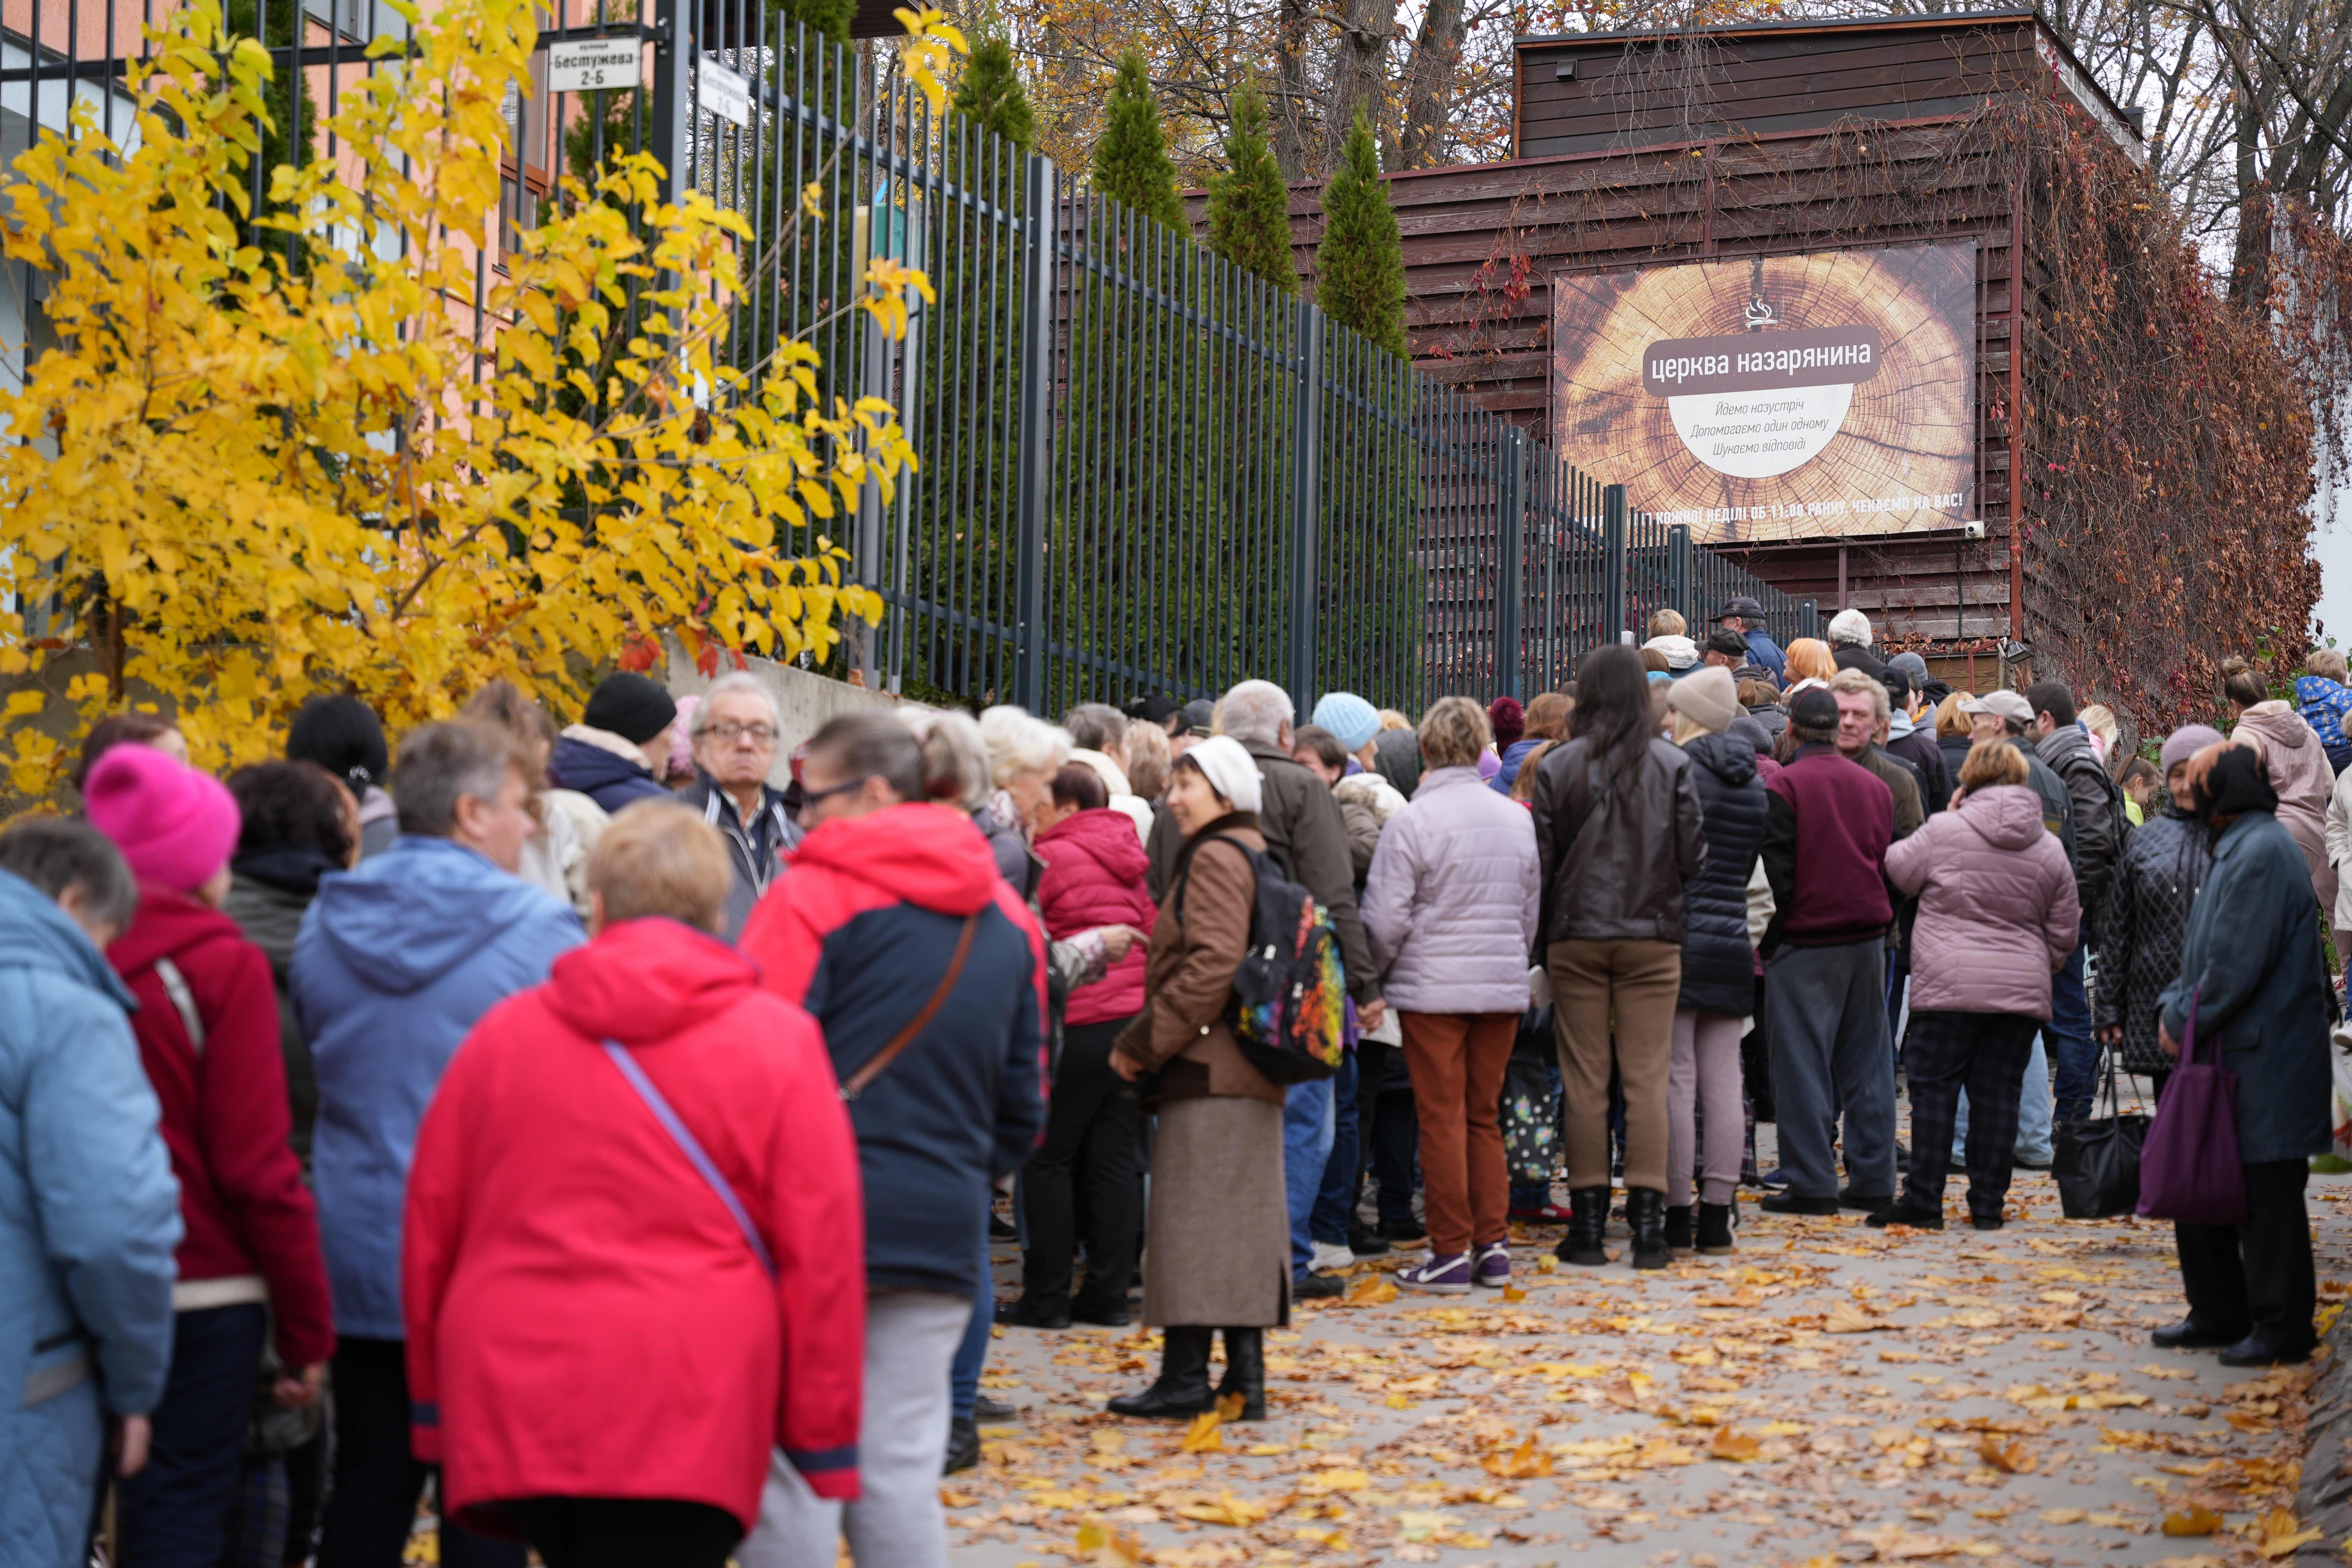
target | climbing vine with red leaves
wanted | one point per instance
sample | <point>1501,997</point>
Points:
<point>2169,440</point>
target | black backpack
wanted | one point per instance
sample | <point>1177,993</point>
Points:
<point>1289,994</point>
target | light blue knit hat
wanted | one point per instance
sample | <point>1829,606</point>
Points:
<point>1348,717</point>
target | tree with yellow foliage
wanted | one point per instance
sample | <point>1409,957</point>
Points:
<point>236,485</point>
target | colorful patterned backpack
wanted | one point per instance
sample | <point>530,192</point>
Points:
<point>1290,992</point>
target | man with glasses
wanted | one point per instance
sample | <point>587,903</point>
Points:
<point>735,731</point>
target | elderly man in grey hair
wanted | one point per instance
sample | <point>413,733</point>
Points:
<point>736,729</point>
<point>1306,835</point>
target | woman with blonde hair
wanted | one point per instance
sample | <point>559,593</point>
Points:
<point>1809,664</point>
<point>1450,909</point>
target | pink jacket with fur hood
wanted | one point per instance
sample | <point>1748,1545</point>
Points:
<point>1997,908</point>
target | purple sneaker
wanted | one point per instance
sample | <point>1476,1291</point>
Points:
<point>1446,1276</point>
<point>1493,1266</point>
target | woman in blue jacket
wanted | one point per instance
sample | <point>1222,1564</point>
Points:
<point>2253,980</point>
<point>91,1212</point>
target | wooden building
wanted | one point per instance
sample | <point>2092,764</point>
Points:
<point>1764,140</point>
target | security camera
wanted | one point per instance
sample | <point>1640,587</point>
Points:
<point>1972,530</point>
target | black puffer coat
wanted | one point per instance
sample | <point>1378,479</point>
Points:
<point>2140,929</point>
<point>1718,961</point>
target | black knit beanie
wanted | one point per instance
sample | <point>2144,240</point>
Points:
<point>631,706</point>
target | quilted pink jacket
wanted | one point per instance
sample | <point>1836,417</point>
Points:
<point>1997,908</point>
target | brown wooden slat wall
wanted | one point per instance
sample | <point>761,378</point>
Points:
<point>1483,242</point>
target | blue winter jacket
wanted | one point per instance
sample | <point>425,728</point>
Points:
<point>395,961</point>
<point>1507,774</point>
<point>89,1216</point>
<point>1766,652</point>
<point>609,779</point>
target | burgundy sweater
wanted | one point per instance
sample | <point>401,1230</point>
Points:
<point>1828,822</point>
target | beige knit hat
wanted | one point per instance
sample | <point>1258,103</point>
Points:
<point>1706,698</point>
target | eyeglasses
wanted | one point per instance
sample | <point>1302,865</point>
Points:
<point>809,797</point>
<point>758,734</point>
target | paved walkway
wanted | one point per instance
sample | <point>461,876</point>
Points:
<point>1831,1394</point>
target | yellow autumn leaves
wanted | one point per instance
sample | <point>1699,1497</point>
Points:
<point>253,478</point>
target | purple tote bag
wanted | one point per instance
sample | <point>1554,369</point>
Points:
<point>2189,1169</point>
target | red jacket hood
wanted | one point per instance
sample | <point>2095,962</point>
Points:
<point>928,856</point>
<point>645,980</point>
<point>169,922</point>
<point>1106,836</point>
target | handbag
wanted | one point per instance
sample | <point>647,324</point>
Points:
<point>2189,1170</point>
<point>2096,1162</point>
<point>1531,1112</point>
<point>691,1147</point>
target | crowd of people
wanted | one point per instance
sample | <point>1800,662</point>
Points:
<point>607,1126</point>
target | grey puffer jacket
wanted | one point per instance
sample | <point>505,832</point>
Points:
<point>1996,910</point>
<point>1616,851</point>
<point>1450,904</point>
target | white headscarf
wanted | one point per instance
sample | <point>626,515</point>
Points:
<point>1231,771</point>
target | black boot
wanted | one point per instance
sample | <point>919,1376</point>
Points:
<point>1183,1387</point>
<point>1678,1230</point>
<point>964,1445</point>
<point>1714,1229</point>
<point>1246,1372</point>
<point>1587,1218</point>
<point>1645,1214</point>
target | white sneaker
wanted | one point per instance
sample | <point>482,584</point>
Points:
<point>1333,1259</point>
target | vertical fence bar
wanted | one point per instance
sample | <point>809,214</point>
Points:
<point>1306,506</point>
<point>1613,583</point>
<point>671,137</point>
<point>1809,620</point>
<point>1036,425</point>
<point>1680,597</point>
<point>1511,563</point>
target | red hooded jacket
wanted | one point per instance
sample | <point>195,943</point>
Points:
<point>584,1317</point>
<point>1095,876</point>
<point>227,1121</point>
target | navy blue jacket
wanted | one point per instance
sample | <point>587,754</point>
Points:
<point>606,777</point>
<point>859,929</point>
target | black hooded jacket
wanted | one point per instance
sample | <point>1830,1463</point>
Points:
<point>1718,961</point>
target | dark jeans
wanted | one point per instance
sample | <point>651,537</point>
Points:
<point>1091,1143</point>
<point>1986,1054</point>
<point>2075,1049</point>
<point>624,1532</point>
<point>377,1479</point>
<point>175,1510</point>
<point>2256,1277</point>
<point>972,1353</point>
<point>1335,1204</point>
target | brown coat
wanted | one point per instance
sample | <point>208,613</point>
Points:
<point>1188,979</point>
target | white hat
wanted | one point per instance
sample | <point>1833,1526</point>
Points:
<point>2009,705</point>
<point>1231,771</point>
<point>1850,626</point>
<point>1680,651</point>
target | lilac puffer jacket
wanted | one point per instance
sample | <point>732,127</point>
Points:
<point>1450,902</point>
<point>1997,908</point>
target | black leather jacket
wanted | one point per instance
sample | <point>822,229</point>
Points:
<point>1616,852</point>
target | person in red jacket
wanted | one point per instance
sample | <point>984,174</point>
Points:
<point>629,1257</point>
<point>1095,877</point>
<point>208,1029</point>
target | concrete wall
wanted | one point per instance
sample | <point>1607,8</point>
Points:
<point>807,701</point>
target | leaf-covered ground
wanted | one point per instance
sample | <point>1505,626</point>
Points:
<point>1828,1394</point>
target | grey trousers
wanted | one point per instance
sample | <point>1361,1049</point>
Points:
<point>902,1437</point>
<point>1826,1008</point>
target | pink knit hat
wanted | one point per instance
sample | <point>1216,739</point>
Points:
<point>174,825</point>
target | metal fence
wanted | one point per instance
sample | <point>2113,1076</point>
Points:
<point>1143,469</point>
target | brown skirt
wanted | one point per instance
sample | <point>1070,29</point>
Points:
<point>1218,1226</point>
